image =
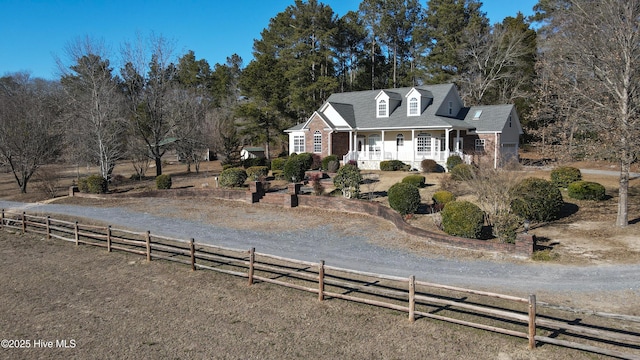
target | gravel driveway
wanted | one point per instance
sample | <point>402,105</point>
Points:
<point>357,252</point>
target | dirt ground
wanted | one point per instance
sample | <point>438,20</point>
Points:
<point>118,305</point>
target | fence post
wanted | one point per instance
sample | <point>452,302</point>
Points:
<point>532,321</point>
<point>192,250</point>
<point>412,298</point>
<point>321,280</point>
<point>109,238</point>
<point>252,259</point>
<point>2,220</point>
<point>75,230</point>
<point>148,238</point>
<point>48,227</point>
<point>24,222</point>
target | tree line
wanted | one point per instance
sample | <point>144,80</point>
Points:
<point>570,70</point>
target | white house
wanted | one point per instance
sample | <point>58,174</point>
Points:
<point>408,124</point>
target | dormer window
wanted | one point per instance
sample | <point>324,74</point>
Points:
<point>413,107</point>
<point>382,108</point>
<point>450,107</point>
<point>476,116</point>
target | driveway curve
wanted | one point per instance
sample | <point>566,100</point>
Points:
<point>356,252</point>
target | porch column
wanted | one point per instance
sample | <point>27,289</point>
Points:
<point>458,140</point>
<point>350,141</point>
<point>495,151</point>
<point>382,147</point>
<point>415,146</point>
<point>446,139</point>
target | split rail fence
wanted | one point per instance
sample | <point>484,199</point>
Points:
<point>526,318</point>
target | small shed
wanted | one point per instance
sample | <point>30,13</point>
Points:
<point>251,153</point>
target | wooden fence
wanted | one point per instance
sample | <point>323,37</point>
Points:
<point>521,317</point>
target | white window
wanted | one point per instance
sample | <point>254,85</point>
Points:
<point>400,140</point>
<point>450,107</point>
<point>423,143</point>
<point>509,120</point>
<point>480,145</point>
<point>317,142</point>
<point>382,108</point>
<point>443,142</point>
<point>476,116</point>
<point>298,144</point>
<point>374,143</point>
<point>413,106</point>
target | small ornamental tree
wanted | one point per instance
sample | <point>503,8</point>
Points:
<point>295,167</point>
<point>348,179</point>
<point>462,218</point>
<point>404,198</point>
<point>536,199</point>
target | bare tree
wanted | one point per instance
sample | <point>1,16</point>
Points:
<point>29,131</point>
<point>598,45</point>
<point>95,105</point>
<point>188,111</point>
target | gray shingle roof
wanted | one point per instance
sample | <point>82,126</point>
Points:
<point>492,118</point>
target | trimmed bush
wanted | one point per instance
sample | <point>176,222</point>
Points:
<point>333,166</point>
<point>462,172</point>
<point>430,166</point>
<point>564,175</point>
<point>295,167</point>
<point>326,160</point>
<point>163,182</point>
<point>452,161</point>
<point>586,190</point>
<point>415,180</point>
<point>536,199</point>
<point>443,197</point>
<point>233,177</point>
<point>393,165</point>
<point>348,179</point>
<point>278,164</point>
<point>256,172</point>
<point>462,218</point>
<point>257,161</point>
<point>306,159</point>
<point>404,198</point>
<point>94,184</point>
<point>505,226</point>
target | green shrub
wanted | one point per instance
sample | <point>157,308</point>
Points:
<point>278,174</point>
<point>94,184</point>
<point>163,182</point>
<point>404,198</point>
<point>452,161</point>
<point>326,160</point>
<point>415,180</point>
<point>333,166</point>
<point>232,177</point>
<point>348,179</point>
<point>256,172</point>
<point>295,167</point>
<point>257,161</point>
<point>462,218</point>
<point>306,159</point>
<point>586,190</point>
<point>443,197</point>
<point>564,175</point>
<point>430,166</point>
<point>505,226</point>
<point>462,172</point>
<point>536,199</point>
<point>393,165</point>
<point>278,163</point>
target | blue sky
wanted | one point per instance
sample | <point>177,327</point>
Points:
<point>33,33</point>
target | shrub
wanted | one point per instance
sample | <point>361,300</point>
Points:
<point>326,160</point>
<point>586,190</point>
<point>163,182</point>
<point>443,197</point>
<point>318,188</point>
<point>306,159</point>
<point>316,162</point>
<point>348,180</point>
<point>404,198</point>
<point>415,180</point>
<point>256,172</point>
<point>393,165</point>
<point>452,161</point>
<point>505,226</point>
<point>295,168</point>
<point>278,164</point>
<point>430,166</point>
<point>462,172</point>
<point>462,218</point>
<point>564,175</point>
<point>278,174</point>
<point>333,166</point>
<point>95,184</point>
<point>82,185</point>
<point>257,161</point>
<point>536,199</point>
<point>232,177</point>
